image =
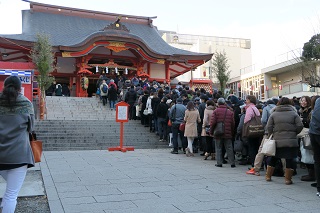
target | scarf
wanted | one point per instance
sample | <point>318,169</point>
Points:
<point>22,106</point>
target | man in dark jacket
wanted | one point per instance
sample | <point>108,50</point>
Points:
<point>200,141</point>
<point>162,115</point>
<point>222,114</point>
<point>131,97</point>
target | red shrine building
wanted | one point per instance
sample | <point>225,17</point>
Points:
<point>91,43</point>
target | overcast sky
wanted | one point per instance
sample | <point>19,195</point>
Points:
<point>275,27</point>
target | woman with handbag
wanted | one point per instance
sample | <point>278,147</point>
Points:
<point>253,141</point>
<point>191,118</point>
<point>285,124</point>
<point>205,133</point>
<point>16,122</point>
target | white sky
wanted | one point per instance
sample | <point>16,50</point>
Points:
<point>275,27</point>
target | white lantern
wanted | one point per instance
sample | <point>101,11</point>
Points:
<point>97,70</point>
<point>107,70</point>
<point>126,71</point>
<point>116,69</point>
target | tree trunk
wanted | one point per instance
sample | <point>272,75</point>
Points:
<point>42,105</point>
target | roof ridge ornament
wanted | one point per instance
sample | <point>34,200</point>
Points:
<point>117,25</point>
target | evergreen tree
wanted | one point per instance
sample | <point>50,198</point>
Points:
<point>221,69</point>
<point>43,58</point>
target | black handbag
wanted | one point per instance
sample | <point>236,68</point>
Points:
<point>219,129</point>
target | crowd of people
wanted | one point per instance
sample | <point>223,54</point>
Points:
<point>189,120</point>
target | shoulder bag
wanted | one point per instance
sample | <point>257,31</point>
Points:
<point>36,146</point>
<point>269,147</point>
<point>219,129</point>
<point>254,127</point>
<point>182,126</point>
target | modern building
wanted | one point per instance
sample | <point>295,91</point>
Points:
<point>288,77</point>
<point>238,51</point>
<point>90,43</point>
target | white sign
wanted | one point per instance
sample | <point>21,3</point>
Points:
<point>25,79</point>
<point>122,112</point>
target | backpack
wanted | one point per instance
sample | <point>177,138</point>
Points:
<point>104,88</point>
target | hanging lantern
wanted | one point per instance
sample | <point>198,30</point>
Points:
<point>126,71</point>
<point>107,70</point>
<point>116,69</point>
<point>97,70</point>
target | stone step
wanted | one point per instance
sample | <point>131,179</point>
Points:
<point>85,124</point>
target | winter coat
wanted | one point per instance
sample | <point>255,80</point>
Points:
<point>144,101</point>
<point>15,126</point>
<point>131,96</point>
<point>266,112</point>
<point>177,113</point>
<point>229,124</point>
<point>201,109</point>
<point>192,118</point>
<point>101,91</point>
<point>315,119</point>
<point>284,123</point>
<point>114,84</point>
<point>154,104</point>
<point>162,110</point>
<point>207,119</point>
<point>251,111</point>
<point>304,114</point>
<point>112,94</point>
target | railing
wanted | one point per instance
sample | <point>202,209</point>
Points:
<point>290,89</point>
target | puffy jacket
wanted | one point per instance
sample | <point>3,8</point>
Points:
<point>229,124</point>
<point>162,110</point>
<point>131,96</point>
<point>284,123</point>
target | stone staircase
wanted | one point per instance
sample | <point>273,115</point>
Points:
<point>85,124</point>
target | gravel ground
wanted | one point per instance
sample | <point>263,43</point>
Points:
<point>33,204</point>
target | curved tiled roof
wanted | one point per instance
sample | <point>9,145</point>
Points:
<point>67,30</point>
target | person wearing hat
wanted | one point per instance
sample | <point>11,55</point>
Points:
<point>224,115</point>
<point>176,115</point>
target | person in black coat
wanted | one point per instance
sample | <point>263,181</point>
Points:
<point>130,98</point>
<point>144,120</point>
<point>201,109</point>
<point>112,96</point>
<point>162,115</point>
<point>154,105</point>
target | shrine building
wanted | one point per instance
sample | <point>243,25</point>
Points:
<point>91,43</point>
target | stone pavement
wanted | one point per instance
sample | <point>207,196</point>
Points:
<point>32,185</point>
<point>157,181</point>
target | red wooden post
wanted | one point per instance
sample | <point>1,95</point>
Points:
<point>122,115</point>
